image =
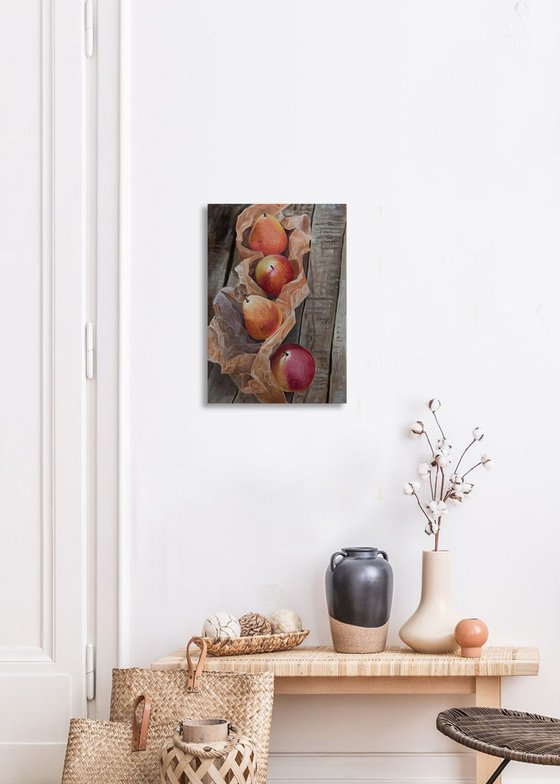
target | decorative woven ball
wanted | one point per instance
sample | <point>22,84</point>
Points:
<point>221,624</point>
<point>283,621</point>
<point>254,623</point>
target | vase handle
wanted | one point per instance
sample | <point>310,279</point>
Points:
<point>384,555</point>
<point>335,563</point>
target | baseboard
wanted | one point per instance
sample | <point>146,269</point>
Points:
<point>21,762</point>
<point>375,767</point>
<point>400,780</point>
<point>387,768</point>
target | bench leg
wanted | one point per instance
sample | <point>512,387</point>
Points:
<point>487,695</point>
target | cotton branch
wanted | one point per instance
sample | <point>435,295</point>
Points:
<point>457,489</point>
<point>462,456</point>
<point>428,518</point>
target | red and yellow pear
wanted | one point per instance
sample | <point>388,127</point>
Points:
<point>262,316</point>
<point>293,367</point>
<point>272,273</point>
<point>268,235</point>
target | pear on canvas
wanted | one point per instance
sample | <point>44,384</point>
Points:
<point>293,367</point>
<point>268,235</point>
<point>272,273</point>
<point>262,316</point>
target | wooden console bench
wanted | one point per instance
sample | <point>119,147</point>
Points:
<point>312,670</point>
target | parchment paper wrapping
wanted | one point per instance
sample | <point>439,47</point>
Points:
<point>247,361</point>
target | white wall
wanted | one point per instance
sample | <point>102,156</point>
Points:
<point>439,124</point>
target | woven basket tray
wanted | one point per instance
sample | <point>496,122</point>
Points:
<point>259,643</point>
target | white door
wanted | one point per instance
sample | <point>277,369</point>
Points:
<point>42,387</point>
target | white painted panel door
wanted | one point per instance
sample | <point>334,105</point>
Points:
<point>42,519</point>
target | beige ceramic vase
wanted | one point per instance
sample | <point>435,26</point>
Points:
<point>431,629</point>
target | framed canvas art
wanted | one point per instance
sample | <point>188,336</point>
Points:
<point>277,303</point>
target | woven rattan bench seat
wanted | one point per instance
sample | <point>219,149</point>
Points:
<point>508,734</point>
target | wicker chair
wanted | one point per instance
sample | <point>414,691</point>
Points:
<point>509,735</point>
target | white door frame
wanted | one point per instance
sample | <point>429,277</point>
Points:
<point>105,128</point>
<point>79,141</point>
<point>42,671</point>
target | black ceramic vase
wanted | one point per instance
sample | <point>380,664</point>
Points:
<point>359,586</point>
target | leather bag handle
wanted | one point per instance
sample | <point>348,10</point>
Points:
<point>140,728</point>
<point>193,674</point>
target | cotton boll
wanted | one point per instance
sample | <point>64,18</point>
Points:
<point>432,508</point>
<point>442,460</point>
<point>487,462</point>
<point>434,404</point>
<point>478,433</point>
<point>437,508</point>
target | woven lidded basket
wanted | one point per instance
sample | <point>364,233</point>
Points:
<point>233,762</point>
<point>258,643</point>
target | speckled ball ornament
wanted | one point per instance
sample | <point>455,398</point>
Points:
<point>254,623</point>
<point>284,621</point>
<point>220,625</point>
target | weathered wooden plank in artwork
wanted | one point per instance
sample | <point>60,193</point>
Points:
<point>221,388</point>
<point>337,387</point>
<point>222,258</point>
<point>242,399</point>
<point>318,320</point>
<point>299,209</point>
<point>221,246</point>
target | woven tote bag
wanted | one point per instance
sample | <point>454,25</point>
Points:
<point>99,752</point>
<point>245,699</point>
